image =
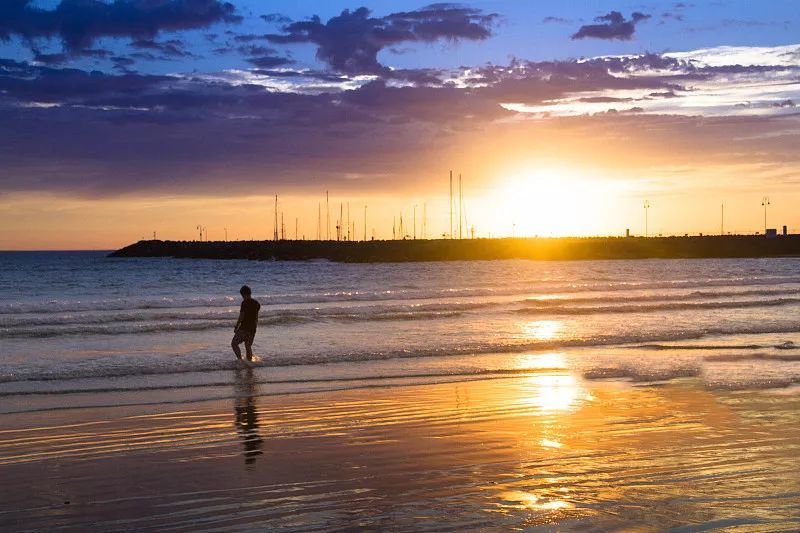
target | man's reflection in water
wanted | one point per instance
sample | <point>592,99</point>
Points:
<point>247,415</point>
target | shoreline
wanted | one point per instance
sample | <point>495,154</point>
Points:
<point>545,450</point>
<point>537,248</point>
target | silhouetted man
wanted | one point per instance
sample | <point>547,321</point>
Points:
<point>245,329</point>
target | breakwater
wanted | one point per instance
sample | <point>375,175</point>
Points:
<point>562,248</point>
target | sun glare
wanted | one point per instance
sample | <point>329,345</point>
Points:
<point>552,202</point>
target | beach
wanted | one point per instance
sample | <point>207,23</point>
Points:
<point>485,395</point>
<point>544,451</point>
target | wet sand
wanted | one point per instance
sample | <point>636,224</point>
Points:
<point>545,451</point>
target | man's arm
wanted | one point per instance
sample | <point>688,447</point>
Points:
<point>238,322</point>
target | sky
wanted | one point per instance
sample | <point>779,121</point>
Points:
<point>125,119</point>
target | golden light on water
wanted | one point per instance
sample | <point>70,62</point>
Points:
<point>541,360</point>
<point>551,393</point>
<point>527,500</point>
<point>550,443</point>
<point>542,330</point>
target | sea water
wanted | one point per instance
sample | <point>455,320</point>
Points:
<point>81,329</point>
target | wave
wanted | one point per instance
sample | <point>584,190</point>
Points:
<point>140,322</point>
<point>277,319</point>
<point>643,374</point>
<point>684,347</point>
<point>155,320</point>
<point>753,357</point>
<point>122,366</point>
<point>645,308</point>
<point>507,289</point>
<point>464,372</point>
<point>695,295</point>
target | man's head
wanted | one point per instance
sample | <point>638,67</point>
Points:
<point>245,291</point>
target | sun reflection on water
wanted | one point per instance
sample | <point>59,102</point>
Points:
<point>542,330</point>
<point>552,393</point>
<point>526,500</point>
<point>534,361</point>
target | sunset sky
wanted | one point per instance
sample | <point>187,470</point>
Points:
<point>118,119</point>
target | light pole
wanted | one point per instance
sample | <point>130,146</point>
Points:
<point>415,222</point>
<point>646,209</point>
<point>365,223</point>
<point>765,203</point>
<point>226,234</point>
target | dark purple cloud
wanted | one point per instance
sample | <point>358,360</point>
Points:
<point>172,48</point>
<point>350,42</point>
<point>79,22</point>
<point>269,61</point>
<point>262,57</point>
<point>49,59</point>
<point>611,26</point>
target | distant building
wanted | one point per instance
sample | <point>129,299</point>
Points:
<point>771,233</point>
<point>785,233</point>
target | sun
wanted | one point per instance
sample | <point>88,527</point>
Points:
<point>552,201</point>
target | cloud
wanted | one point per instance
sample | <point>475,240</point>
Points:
<point>678,17</point>
<point>262,57</point>
<point>243,130</point>
<point>269,61</point>
<point>350,42</point>
<point>173,48</point>
<point>49,59</point>
<point>612,26</point>
<point>78,23</point>
<point>556,20</point>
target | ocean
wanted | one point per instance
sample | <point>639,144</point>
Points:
<point>79,329</point>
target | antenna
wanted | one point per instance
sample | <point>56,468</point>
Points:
<point>295,228</point>
<point>451,204</point>
<point>646,209</point>
<point>328,217</point>
<point>460,204</point>
<point>275,233</point>
<point>424,220</point>
<point>365,223</point>
<point>415,222</point>
<point>319,221</point>
<point>722,221</point>
<point>226,234</point>
<point>765,203</point>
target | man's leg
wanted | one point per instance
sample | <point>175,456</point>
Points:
<point>248,346</point>
<point>235,345</point>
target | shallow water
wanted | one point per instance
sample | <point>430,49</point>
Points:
<point>76,322</point>
<point>575,396</point>
<point>543,452</point>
